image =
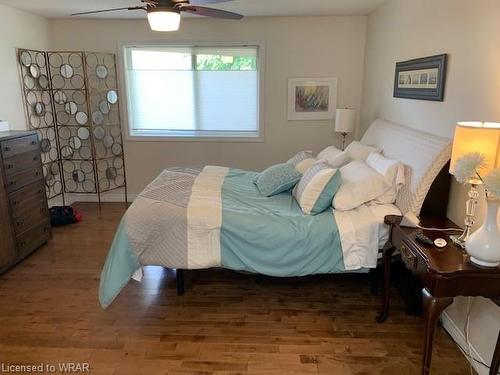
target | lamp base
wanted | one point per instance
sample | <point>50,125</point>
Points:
<point>483,263</point>
<point>483,245</point>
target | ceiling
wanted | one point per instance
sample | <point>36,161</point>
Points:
<point>249,8</point>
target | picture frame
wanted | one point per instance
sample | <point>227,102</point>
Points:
<point>312,99</point>
<point>422,78</point>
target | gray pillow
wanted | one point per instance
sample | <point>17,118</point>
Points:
<point>277,179</point>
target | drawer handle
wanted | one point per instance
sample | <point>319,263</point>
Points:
<point>406,252</point>
<point>35,158</point>
<point>7,149</point>
<point>10,166</point>
<point>45,229</point>
<point>20,223</point>
<point>37,173</point>
<point>33,143</point>
<point>410,256</point>
<point>15,203</point>
<point>40,191</point>
<point>12,183</point>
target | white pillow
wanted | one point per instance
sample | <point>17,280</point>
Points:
<point>360,184</point>
<point>393,172</point>
<point>334,156</point>
<point>358,151</point>
<point>329,153</point>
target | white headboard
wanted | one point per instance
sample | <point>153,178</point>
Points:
<point>423,154</point>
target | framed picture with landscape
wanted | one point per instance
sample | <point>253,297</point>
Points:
<point>422,78</point>
<point>312,99</point>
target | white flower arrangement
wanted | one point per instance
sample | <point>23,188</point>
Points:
<point>467,169</point>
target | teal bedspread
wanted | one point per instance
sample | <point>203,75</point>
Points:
<point>272,236</point>
<point>257,234</point>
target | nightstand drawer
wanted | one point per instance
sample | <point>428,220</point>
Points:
<point>410,259</point>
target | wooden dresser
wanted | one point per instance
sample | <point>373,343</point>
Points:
<point>24,213</point>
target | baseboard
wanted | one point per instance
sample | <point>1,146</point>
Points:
<point>457,335</point>
<point>108,197</point>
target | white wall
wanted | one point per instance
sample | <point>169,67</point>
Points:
<point>17,29</point>
<point>295,47</point>
<point>468,31</point>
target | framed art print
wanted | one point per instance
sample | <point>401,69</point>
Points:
<point>312,98</point>
<point>422,78</point>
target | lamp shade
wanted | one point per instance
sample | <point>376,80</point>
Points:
<point>164,20</point>
<point>345,120</point>
<point>479,137</point>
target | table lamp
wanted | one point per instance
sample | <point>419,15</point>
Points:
<point>482,139</point>
<point>345,121</point>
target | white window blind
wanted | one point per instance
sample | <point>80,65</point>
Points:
<point>190,91</point>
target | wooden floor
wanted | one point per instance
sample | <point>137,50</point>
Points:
<point>226,323</point>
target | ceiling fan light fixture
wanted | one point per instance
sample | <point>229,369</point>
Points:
<point>164,20</point>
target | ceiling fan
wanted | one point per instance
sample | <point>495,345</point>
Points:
<point>165,15</point>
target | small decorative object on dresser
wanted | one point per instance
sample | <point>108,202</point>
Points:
<point>4,126</point>
<point>422,78</point>
<point>345,122</point>
<point>24,213</point>
<point>312,98</point>
<point>475,160</point>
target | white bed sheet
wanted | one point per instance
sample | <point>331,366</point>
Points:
<point>362,233</point>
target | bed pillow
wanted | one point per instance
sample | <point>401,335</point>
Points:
<point>329,153</point>
<point>360,184</point>
<point>358,151</point>
<point>277,179</point>
<point>335,157</point>
<point>302,161</point>
<point>393,172</point>
<point>316,188</point>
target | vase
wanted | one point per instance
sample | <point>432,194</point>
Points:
<point>483,245</point>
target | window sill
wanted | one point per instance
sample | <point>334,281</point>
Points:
<point>180,137</point>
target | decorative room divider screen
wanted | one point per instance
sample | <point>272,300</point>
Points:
<point>71,100</point>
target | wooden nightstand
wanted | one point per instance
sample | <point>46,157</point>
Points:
<point>445,273</point>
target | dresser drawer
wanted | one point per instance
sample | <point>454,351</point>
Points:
<point>34,191</point>
<point>20,145</point>
<point>19,162</point>
<point>20,179</point>
<point>36,213</point>
<point>32,239</point>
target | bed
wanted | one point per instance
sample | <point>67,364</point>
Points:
<point>212,217</point>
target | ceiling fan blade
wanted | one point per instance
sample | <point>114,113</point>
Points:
<point>201,2</point>
<point>210,12</point>
<point>107,10</point>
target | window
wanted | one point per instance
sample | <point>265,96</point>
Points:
<point>190,91</point>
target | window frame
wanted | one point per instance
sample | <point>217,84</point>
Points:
<point>179,137</point>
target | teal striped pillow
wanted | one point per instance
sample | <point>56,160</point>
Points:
<point>317,187</point>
